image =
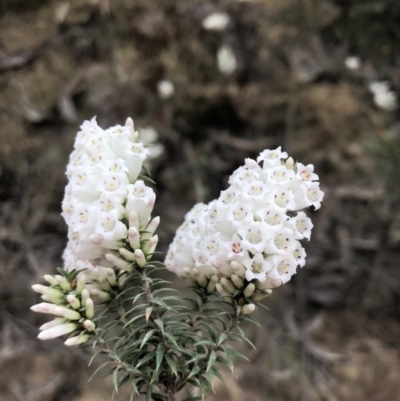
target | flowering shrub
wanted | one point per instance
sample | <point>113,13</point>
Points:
<point>240,247</point>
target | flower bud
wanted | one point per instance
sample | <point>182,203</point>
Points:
<point>238,268</point>
<point>99,295</point>
<point>89,325</point>
<point>228,286</point>
<point>57,331</point>
<point>105,285</point>
<point>248,308</point>
<point>89,305</point>
<point>151,228</point>
<point>52,292</point>
<point>45,307</point>
<point>81,283</point>
<point>249,290</point>
<point>82,338</point>
<point>129,122</point>
<point>133,220</point>
<point>117,262</point>
<point>150,245</point>
<point>212,283</point>
<point>85,296</point>
<point>134,238</point>
<point>53,300</point>
<point>237,281</point>
<point>74,301</point>
<point>135,137</point>
<point>139,256</point>
<point>221,290</point>
<point>67,313</point>
<point>50,279</point>
<point>53,323</point>
<point>199,277</point>
<point>63,283</point>
<point>127,255</point>
<point>111,277</point>
<point>289,163</point>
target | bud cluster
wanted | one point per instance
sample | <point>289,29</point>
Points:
<point>67,298</point>
<point>251,233</point>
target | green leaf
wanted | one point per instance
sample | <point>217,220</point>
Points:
<point>98,369</point>
<point>171,338</point>
<point>160,324</point>
<point>159,355</point>
<point>196,358</point>
<point>115,379</point>
<point>146,337</point>
<point>196,369</point>
<point>211,360</point>
<point>146,358</point>
<point>250,319</point>
<point>134,320</point>
<point>172,364</point>
<point>146,179</point>
<point>222,338</point>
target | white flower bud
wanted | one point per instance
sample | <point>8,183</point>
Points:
<point>151,228</point>
<point>50,279</point>
<point>237,281</point>
<point>117,262</point>
<point>89,305</point>
<point>105,285</point>
<point>140,259</point>
<point>63,283</point>
<point>249,291</point>
<point>111,277</point>
<point>85,296</point>
<point>67,313</point>
<point>212,284</point>
<point>89,325</point>
<point>221,290</point>
<point>228,286</point>
<point>150,245</point>
<point>74,301</point>
<point>82,338</point>
<point>52,292</point>
<point>247,309</point>
<point>134,238</point>
<point>129,122</point>
<point>127,255</point>
<point>289,163</point>
<point>81,283</point>
<point>45,307</point>
<point>133,220</point>
<point>53,323</point>
<point>199,277</point>
<point>99,295</point>
<point>57,331</point>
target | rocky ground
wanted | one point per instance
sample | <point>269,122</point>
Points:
<point>331,334</point>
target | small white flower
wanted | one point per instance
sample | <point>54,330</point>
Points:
<point>352,63</point>
<point>165,89</point>
<point>216,22</point>
<point>226,59</point>
<point>384,98</point>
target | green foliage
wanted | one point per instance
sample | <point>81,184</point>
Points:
<point>159,342</point>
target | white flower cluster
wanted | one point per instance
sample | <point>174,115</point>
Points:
<point>107,210</point>
<point>103,190</point>
<point>252,230</point>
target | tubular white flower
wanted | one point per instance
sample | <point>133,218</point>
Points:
<point>251,232</point>
<point>57,331</point>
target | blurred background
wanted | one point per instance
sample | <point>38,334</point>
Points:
<point>209,83</point>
